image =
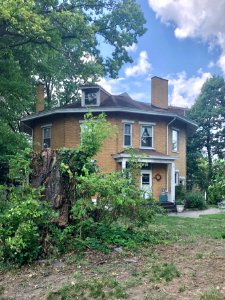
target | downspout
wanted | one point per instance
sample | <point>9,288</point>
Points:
<point>167,135</point>
<point>167,151</point>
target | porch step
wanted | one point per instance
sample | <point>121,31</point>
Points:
<point>168,206</point>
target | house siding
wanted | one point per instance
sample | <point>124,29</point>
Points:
<point>66,133</point>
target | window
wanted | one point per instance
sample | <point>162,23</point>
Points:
<point>175,140</point>
<point>176,178</point>
<point>91,97</point>
<point>46,137</point>
<point>127,135</point>
<point>146,136</point>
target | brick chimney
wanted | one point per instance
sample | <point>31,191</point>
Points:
<point>40,97</point>
<point>159,92</point>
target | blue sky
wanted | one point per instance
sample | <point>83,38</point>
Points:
<point>184,43</point>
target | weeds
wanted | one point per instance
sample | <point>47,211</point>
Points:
<point>164,271</point>
<point>102,288</point>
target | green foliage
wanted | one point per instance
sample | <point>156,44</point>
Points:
<point>19,166</point>
<point>216,190</point>
<point>164,271</point>
<point>57,43</point>
<point>99,288</point>
<point>94,131</point>
<point>180,194</point>
<point>212,294</point>
<point>195,200</point>
<point>22,223</point>
<point>209,112</point>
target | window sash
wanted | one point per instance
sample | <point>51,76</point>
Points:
<point>127,132</point>
<point>175,140</point>
<point>146,136</point>
<point>46,137</point>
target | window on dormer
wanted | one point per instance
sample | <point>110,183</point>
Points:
<point>91,97</point>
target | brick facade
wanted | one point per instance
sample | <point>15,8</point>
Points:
<point>65,132</point>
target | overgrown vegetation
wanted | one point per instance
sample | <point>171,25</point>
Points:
<point>119,216</point>
<point>195,200</point>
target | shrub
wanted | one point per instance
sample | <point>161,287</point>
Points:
<point>195,200</point>
<point>22,224</point>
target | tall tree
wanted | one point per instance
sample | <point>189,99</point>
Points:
<point>62,43</point>
<point>209,112</point>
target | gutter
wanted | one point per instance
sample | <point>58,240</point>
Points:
<point>106,109</point>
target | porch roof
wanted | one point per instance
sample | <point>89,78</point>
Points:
<point>145,155</point>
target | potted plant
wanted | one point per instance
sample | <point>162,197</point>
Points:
<point>179,205</point>
<point>180,198</point>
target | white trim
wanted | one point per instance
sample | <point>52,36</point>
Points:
<point>152,146</point>
<point>46,125</point>
<point>131,133</point>
<point>42,135</point>
<point>172,185</point>
<point>127,121</point>
<point>146,123</point>
<point>178,140</point>
<point>150,179</point>
<point>167,135</point>
<point>83,104</point>
<point>107,109</point>
<point>178,176</point>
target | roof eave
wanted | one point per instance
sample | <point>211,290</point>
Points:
<point>106,109</point>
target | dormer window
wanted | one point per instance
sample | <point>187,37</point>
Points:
<point>91,97</point>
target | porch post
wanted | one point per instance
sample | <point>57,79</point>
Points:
<point>123,164</point>
<point>172,182</point>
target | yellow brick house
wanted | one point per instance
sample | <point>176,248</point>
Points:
<point>156,132</point>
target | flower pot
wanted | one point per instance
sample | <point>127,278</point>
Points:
<point>180,207</point>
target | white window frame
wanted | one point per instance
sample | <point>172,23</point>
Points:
<point>178,138</point>
<point>177,177</point>
<point>83,104</point>
<point>42,135</point>
<point>149,125</point>
<point>131,134</point>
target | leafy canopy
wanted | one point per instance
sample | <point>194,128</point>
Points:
<point>61,43</point>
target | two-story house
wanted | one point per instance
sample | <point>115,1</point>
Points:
<point>154,130</point>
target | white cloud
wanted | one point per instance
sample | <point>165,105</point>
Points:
<point>211,64</point>
<point>113,86</point>
<point>185,90</point>
<point>141,68</point>
<point>202,19</point>
<point>138,96</point>
<point>131,48</point>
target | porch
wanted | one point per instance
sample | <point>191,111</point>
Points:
<point>157,175</point>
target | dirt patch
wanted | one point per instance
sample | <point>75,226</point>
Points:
<point>147,274</point>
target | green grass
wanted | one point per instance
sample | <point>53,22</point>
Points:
<point>212,294</point>
<point>99,288</point>
<point>212,226</point>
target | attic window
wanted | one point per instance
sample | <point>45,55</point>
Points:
<point>91,97</point>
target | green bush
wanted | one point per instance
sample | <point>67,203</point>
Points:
<point>195,200</point>
<point>23,222</point>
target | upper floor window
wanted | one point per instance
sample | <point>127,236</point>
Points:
<point>175,140</point>
<point>46,136</point>
<point>146,136</point>
<point>91,97</point>
<point>127,135</point>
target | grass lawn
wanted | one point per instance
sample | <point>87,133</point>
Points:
<point>189,264</point>
<point>212,226</point>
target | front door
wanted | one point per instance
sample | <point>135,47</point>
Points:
<point>146,183</point>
